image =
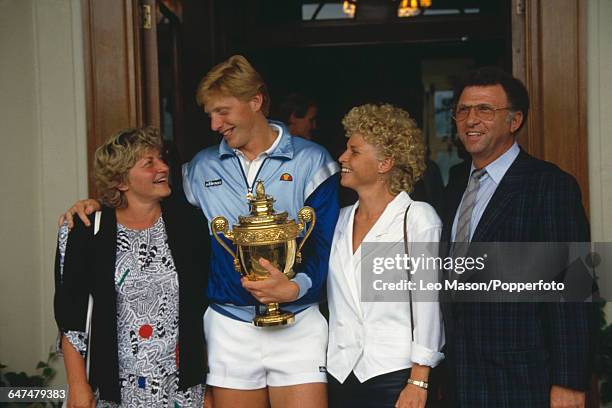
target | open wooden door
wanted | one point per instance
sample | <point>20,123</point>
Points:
<point>122,68</point>
<point>161,40</point>
<point>549,55</point>
<point>149,61</point>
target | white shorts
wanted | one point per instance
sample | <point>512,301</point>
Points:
<point>242,356</point>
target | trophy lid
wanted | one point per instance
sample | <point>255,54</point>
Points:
<point>262,210</point>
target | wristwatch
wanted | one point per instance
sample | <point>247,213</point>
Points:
<point>421,384</point>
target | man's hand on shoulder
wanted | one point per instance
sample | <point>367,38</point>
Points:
<point>82,208</point>
<point>561,397</point>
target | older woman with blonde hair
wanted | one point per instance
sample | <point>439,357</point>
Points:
<point>144,263</point>
<point>380,353</point>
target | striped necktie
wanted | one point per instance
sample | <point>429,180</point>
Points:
<point>462,234</point>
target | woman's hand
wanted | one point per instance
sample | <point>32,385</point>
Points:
<point>276,288</point>
<point>412,396</point>
<point>80,395</point>
<point>82,208</point>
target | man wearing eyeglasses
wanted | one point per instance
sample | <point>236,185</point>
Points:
<point>512,354</point>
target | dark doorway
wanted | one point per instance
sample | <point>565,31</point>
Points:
<point>341,62</point>
<point>344,62</point>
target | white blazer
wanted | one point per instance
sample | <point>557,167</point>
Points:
<point>374,338</point>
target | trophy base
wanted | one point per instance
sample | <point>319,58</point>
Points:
<point>274,317</point>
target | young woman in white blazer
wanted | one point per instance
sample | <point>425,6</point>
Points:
<point>372,360</point>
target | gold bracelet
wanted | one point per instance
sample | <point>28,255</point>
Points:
<point>420,384</point>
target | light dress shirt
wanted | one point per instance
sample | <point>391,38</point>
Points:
<point>374,338</point>
<point>251,167</point>
<point>495,171</point>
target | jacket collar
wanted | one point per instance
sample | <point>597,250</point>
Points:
<point>284,149</point>
<point>498,168</point>
<point>512,182</point>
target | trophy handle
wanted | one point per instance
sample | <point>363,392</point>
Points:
<point>220,224</point>
<point>305,215</point>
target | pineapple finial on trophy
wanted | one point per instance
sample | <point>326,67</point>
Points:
<point>260,191</point>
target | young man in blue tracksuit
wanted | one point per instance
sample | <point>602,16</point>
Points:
<point>251,366</point>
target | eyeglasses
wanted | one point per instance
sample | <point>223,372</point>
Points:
<point>484,112</point>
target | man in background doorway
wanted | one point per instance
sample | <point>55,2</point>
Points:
<point>299,112</point>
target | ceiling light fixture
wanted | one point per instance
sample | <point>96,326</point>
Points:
<point>349,7</point>
<point>409,8</point>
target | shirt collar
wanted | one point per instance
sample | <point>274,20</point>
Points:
<point>383,225</point>
<point>498,168</point>
<point>282,146</point>
<point>400,202</point>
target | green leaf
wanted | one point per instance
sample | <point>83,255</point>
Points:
<point>41,365</point>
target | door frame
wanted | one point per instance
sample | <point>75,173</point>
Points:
<point>549,41</point>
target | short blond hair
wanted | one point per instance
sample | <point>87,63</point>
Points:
<point>114,159</point>
<point>235,77</point>
<point>395,135</point>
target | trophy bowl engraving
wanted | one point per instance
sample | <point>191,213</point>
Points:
<point>281,255</point>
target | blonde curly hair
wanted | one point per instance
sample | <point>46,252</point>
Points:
<point>114,159</point>
<point>395,135</point>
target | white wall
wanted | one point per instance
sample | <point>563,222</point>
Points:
<point>20,239</point>
<point>599,78</point>
<point>43,150</point>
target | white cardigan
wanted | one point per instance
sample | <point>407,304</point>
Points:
<point>374,338</point>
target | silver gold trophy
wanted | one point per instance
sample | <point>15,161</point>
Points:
<point>265,234</point>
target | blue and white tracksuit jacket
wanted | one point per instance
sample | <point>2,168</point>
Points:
<point>296,173</point>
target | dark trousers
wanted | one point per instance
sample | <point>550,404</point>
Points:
<point>378,392</point>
